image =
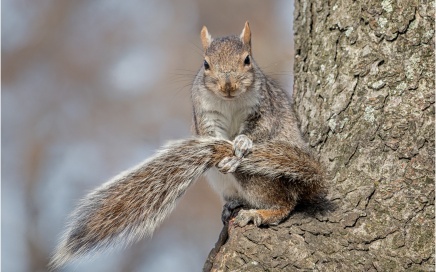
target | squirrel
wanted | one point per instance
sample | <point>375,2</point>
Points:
<point>247,139</point>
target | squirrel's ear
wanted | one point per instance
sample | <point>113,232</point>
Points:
<point>206,39</point>
<point>246,34</point>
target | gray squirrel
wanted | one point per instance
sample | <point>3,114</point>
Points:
<point>247,140</point>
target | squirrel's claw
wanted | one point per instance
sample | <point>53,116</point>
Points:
<point>246,216</point>
<point>242,145</point>
<point>228,164</point>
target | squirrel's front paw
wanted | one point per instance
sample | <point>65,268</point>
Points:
<point>228,164</point>
<point>242,145</point>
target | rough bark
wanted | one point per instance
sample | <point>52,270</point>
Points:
<point>364,92</point>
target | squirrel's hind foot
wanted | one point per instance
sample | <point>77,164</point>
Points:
<point>269,217</point>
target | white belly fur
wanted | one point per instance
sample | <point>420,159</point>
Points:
<point>224,184</point>
<point>232,117</point>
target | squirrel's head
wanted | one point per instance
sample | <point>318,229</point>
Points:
<point>228,66</point>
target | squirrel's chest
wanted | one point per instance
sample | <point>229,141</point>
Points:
<point>225,121</point>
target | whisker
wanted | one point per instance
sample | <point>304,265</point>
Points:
<point>199,50</point>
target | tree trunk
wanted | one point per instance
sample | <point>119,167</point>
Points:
<point>364,92</point>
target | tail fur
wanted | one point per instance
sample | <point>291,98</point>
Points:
<point>134,203</point>
<point>279,159</point>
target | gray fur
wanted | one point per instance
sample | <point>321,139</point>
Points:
<point>132,204</point>
<point>245,125</point>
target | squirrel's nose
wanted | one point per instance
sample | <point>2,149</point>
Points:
<point>228,87</point>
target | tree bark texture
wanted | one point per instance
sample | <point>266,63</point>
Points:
<point>364,92</point>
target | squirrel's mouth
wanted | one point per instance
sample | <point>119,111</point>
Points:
<point>229,97</point>
<point>229,93</point>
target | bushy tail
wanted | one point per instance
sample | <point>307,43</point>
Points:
<point>134,203</point>
<point>279,159</point>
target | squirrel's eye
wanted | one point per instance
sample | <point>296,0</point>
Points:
<point>247,60</point>
<point>206,65</point>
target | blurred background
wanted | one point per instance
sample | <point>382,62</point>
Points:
<point>91,88</point>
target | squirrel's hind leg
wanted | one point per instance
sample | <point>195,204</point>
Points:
<point>270,201</point>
